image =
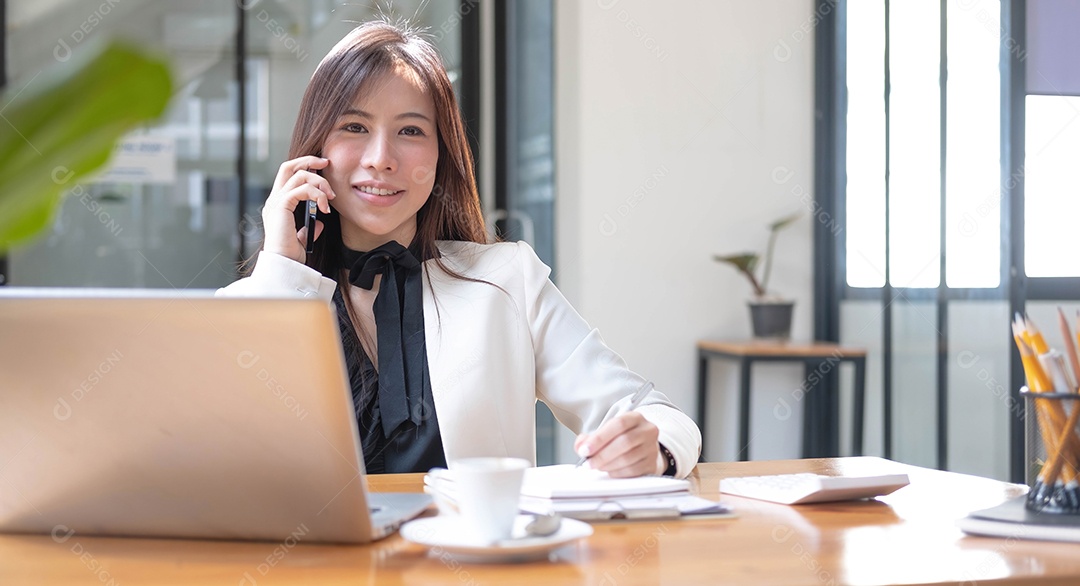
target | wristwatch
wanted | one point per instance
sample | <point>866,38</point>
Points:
<point>672,468</point>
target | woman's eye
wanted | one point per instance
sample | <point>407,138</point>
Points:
<point>412,131</point>
<point>354,127</point>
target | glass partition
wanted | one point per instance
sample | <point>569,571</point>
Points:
<point>168,213</point>
<point>158,218</point>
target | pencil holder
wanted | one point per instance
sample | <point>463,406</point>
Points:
<point>1053,452</point>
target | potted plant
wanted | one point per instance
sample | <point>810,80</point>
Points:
<point>64,127</point>
<point>769,313</point>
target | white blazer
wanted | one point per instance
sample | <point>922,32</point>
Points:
<point>493,352</point>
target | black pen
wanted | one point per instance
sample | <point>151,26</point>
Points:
<point>309,223</point>
<point>636,400</point>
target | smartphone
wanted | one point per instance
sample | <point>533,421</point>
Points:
<point>305,215</point>
<point>309,223</point>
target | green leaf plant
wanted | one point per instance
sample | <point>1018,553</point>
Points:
<point>63,126</point>
<point>747,262</point>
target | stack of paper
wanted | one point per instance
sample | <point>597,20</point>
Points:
<point>587,494</point>
<point>569,481</point>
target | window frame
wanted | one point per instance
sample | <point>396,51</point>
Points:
<point>830,266</point>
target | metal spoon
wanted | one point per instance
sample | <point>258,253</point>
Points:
<point>543,525</point>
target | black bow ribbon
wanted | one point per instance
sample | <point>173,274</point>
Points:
<point>399,321</point>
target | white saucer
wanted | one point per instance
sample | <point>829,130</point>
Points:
<point>444,534</point>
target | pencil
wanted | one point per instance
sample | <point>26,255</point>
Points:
<point>1070,348</point>
<point>1050,417</point>
<point>1062,454</point>
<point>1037,383</point>
<point>1037,380</point>
<point>1053,364</point>
<point>1054,425</point>
<point>1037,341</point>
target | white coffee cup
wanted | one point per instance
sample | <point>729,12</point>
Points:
<point>486,491</point>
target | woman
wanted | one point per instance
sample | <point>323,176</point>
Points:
<point>449,340</point>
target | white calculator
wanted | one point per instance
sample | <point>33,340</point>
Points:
<point>797,489</point>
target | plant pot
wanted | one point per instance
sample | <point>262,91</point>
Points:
<point>771,319</point>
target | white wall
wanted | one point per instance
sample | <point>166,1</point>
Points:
<point>682,129</point>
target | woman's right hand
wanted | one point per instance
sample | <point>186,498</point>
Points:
<point>296,183</point>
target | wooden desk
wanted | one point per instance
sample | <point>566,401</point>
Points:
<point>821,426</point>
<point>909,538</point>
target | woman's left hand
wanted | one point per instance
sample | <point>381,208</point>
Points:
<point>624,447</point>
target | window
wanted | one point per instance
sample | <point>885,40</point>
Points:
<point>947,148</point>
<point>1052,186</point>
<point>191,226</point>
<point>866,145</point>
<point>895,144</point>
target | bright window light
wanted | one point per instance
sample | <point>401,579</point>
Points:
<point>1052,186</point>
<point>973,146</point>
<point>972,159</point>
<point>865,229</point>
<point>914,144</point>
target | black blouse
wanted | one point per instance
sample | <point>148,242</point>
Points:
<point>415,445</point>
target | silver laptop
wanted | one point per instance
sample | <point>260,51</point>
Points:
<point>181,415</point>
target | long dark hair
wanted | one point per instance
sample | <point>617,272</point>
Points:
<point>368,53</point>
<point>452,212</point>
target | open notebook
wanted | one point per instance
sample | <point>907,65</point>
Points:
<point>591,495</point>
<point>567,481</point>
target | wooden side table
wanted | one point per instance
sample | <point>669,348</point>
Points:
<point>820,413</point>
